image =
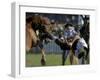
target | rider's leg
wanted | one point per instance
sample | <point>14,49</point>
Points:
<point>64,56</point>
<point>82,56</point>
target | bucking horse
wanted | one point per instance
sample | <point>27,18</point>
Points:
<point>38,30</point>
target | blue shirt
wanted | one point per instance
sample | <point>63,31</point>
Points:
<point>70,33</point>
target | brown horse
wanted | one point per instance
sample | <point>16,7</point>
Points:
<point>36,26</point>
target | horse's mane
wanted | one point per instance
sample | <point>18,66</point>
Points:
<point>45,20</point>
<point>38,19</point>
<point>29,19</point>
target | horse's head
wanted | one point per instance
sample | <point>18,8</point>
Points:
<point>46,28</point>
<point>46,23</point>
<point>42,25</point>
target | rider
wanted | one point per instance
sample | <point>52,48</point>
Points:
<point>70,40</point>
<point>67,40</point>
<point>78,43</point>
<point>71,37</point>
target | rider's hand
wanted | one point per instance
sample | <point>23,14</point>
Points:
<point>70,44</point>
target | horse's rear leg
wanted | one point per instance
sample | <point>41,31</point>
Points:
<point>43,59</point>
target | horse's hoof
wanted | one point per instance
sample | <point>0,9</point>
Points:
<point>43,62</point>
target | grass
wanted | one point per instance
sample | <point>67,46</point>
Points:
<point>33,60</point>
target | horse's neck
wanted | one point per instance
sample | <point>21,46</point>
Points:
<point>35,26</point>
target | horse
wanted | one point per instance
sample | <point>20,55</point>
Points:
<point>37,30</point>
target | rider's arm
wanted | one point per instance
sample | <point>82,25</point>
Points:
<point>76,37</point>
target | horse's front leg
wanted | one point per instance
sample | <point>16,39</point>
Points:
<point>43,59</point>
